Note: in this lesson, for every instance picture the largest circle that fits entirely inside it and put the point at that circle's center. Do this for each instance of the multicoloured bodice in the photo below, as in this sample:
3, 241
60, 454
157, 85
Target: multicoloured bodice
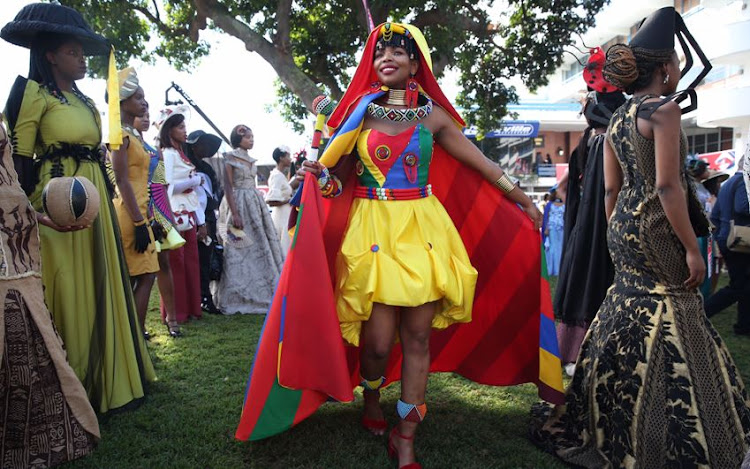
394, 161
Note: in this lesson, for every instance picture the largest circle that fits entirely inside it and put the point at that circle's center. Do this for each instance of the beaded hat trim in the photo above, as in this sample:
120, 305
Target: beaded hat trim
399, 115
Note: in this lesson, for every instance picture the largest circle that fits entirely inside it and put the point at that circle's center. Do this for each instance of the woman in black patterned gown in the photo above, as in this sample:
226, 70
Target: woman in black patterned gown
654, 385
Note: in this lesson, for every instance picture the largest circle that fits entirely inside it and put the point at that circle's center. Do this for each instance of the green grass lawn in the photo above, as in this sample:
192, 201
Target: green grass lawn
189, 417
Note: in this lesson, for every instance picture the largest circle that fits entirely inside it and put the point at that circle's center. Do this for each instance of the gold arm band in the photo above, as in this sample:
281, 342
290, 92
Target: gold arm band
505, 184
140, 223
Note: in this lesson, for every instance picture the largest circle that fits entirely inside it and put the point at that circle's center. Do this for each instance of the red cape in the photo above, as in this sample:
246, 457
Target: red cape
500, 346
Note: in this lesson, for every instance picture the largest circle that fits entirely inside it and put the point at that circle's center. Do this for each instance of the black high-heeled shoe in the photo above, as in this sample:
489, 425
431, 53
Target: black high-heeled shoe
174, 329
207, 305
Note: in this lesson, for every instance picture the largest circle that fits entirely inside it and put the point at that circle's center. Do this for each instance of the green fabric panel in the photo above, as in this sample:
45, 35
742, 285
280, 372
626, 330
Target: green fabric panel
367, 179
425, 154
278, 412
296, 228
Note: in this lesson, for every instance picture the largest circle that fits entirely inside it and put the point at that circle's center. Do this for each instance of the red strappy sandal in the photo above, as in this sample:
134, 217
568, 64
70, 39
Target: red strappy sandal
374, 425
393, 452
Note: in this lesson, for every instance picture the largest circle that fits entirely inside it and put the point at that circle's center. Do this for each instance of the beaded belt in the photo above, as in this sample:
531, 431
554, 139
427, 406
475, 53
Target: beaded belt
381, 193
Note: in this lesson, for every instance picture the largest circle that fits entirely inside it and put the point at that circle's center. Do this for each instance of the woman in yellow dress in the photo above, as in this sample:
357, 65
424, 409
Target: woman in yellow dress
131, 163
57, 132
402, 268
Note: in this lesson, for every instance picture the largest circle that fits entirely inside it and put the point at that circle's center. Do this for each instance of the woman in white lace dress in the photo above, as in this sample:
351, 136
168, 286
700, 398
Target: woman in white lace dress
252, 254
280, 192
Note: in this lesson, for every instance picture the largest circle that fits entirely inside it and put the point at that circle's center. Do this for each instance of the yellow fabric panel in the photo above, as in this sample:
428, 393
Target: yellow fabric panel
419, 38
549, 370
113, 89
419, 258
340, 146
364, 156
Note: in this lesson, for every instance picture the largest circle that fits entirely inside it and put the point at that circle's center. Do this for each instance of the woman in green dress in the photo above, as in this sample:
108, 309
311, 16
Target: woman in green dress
56, 131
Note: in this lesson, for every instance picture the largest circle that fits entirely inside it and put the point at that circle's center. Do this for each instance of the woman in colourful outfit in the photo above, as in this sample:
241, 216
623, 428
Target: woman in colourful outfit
131, 164
402, 268
57, 132
167, 237
252, 262
654, 385
180, 175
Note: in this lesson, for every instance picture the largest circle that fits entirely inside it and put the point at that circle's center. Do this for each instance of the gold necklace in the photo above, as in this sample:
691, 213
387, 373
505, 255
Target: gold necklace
396, 97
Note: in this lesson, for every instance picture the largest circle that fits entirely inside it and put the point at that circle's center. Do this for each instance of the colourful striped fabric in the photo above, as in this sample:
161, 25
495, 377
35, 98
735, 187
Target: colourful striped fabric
550, 379
300, 360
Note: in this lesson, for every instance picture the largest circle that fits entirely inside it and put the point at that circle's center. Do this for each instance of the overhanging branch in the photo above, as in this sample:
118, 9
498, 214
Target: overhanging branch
160, 25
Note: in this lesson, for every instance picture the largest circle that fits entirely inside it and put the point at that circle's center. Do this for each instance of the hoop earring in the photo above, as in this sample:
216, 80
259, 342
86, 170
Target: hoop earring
666, 79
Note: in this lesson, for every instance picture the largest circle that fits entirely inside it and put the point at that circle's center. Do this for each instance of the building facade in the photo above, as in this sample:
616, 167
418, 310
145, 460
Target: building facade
722, 28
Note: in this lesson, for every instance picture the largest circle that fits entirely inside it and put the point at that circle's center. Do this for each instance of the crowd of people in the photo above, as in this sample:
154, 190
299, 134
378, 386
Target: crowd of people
156, 221
627, 233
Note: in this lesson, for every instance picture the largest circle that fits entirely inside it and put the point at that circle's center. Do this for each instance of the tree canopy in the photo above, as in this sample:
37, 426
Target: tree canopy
312, 44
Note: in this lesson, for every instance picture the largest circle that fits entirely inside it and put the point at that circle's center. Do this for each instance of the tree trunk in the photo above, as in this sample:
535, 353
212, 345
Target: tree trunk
275, 54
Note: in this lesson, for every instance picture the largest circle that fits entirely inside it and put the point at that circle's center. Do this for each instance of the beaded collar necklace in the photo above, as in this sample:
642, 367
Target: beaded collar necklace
399, 115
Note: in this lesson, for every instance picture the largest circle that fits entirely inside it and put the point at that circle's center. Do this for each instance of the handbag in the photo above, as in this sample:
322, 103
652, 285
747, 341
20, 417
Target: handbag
216, 265
183, 221
739, 238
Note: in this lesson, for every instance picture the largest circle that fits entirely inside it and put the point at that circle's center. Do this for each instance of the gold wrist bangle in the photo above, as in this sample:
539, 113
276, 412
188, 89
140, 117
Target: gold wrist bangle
505, 184
140, 223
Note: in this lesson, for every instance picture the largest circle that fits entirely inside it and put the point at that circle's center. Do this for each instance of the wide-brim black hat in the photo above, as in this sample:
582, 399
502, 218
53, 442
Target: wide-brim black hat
51, 18
211, 141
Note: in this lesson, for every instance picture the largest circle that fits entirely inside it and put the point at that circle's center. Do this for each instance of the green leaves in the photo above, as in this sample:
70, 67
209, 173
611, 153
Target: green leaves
313, 45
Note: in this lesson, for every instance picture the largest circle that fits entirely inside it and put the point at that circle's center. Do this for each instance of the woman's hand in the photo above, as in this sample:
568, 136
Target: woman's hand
697, 269
534, 214
157, 230
142, 238
43, 219
202, 232
237, 222
309, 167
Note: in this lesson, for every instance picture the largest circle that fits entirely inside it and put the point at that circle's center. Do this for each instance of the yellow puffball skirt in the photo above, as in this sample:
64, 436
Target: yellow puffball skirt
402, 253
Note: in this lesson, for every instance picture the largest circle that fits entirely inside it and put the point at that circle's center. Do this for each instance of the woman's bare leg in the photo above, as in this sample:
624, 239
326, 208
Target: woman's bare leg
142, 285
377, 337
415, 329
